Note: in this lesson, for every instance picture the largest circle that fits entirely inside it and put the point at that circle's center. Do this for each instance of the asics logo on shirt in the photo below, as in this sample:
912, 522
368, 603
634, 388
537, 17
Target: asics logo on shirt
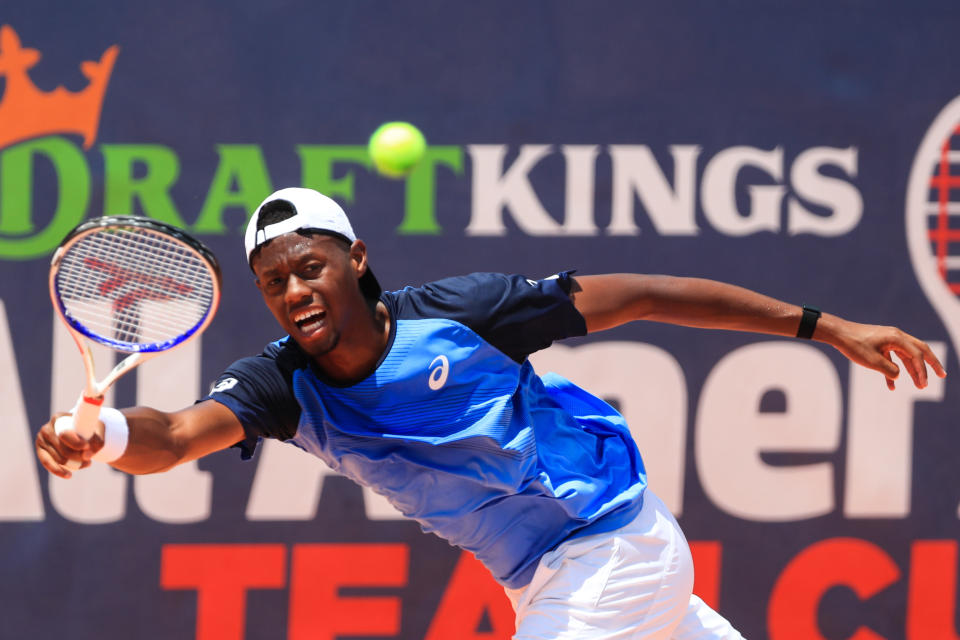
438, 374
534, 283
224, 385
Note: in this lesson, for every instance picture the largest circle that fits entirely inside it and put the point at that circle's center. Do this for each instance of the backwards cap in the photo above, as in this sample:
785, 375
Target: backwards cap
312, 211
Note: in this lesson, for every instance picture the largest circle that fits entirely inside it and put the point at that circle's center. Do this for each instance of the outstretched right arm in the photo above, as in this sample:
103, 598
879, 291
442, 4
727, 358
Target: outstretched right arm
158, 440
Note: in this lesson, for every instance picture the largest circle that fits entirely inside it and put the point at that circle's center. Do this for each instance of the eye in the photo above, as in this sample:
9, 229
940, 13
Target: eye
273, 285
311, 269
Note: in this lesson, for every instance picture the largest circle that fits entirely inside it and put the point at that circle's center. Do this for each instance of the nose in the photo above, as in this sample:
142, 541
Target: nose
296, 290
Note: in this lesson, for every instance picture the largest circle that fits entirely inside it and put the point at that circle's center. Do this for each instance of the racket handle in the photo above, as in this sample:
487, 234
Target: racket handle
65, 423
83, 421
86, 416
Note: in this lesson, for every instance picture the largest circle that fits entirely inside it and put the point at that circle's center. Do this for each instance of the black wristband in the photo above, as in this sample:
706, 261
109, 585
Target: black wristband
808, 322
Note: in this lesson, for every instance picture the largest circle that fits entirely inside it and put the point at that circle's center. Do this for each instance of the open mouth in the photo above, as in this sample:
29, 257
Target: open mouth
309, 321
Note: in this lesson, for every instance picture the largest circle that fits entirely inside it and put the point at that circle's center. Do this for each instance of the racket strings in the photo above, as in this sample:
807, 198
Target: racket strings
134, 286
943, 232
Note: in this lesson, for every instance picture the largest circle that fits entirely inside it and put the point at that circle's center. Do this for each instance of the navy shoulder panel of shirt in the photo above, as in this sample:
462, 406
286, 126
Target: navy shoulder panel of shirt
516, 315
259, 391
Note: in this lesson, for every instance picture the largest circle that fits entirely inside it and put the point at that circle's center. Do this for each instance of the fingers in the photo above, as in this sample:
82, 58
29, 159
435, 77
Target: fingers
55, 452
50, 454
918, 369
931, 359
888, 367
916, 355
73, 446
891, 373
913, 361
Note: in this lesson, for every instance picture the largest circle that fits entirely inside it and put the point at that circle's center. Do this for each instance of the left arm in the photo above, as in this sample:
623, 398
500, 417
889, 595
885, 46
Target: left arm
607, 301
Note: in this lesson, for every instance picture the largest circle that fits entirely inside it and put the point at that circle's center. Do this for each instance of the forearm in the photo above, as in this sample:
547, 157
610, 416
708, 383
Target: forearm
150, 441
691, 302
159, 440
696, 302
153, 445
610, 300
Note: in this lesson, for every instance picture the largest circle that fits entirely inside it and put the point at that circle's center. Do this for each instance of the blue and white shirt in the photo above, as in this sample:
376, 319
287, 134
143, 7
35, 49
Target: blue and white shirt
454, 427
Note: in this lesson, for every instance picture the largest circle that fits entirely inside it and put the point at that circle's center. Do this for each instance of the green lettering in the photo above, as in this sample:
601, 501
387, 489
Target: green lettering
419, 215
122, 189
243, 166
316, 162
16, 178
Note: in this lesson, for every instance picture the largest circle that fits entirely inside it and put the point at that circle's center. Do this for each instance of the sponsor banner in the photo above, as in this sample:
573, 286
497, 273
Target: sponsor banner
805, 151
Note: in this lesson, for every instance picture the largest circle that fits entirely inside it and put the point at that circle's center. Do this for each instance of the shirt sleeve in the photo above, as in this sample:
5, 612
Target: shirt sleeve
259, 392
516, 315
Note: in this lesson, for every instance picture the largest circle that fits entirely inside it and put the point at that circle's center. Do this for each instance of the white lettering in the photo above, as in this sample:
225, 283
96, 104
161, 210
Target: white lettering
20, 497
183, 494
581, 163
880, 441
731, 204
288, 483
839, 196
636, 172
495, 190
376, 507
720, 188
732, 433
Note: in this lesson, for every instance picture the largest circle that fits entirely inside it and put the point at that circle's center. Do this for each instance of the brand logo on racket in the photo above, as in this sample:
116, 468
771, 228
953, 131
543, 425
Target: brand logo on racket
128, 288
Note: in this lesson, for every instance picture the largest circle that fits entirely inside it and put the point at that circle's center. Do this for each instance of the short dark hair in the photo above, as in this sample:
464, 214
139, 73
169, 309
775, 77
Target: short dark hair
273, 212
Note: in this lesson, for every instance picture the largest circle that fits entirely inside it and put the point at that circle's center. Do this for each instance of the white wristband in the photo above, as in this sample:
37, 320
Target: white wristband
115, 435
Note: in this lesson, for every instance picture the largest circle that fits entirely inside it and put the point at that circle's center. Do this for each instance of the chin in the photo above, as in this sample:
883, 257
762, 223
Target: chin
320, 346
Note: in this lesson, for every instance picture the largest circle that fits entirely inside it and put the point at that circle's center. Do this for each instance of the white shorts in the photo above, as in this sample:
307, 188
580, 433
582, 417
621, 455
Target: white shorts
633, 582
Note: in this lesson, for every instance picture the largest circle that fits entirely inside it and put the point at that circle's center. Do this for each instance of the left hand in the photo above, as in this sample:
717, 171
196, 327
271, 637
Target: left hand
871, 345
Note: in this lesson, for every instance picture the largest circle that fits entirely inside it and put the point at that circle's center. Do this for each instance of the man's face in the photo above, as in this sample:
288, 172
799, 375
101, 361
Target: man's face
310, 284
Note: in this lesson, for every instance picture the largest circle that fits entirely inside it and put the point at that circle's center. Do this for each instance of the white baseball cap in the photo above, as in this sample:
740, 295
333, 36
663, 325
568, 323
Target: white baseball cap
312, 211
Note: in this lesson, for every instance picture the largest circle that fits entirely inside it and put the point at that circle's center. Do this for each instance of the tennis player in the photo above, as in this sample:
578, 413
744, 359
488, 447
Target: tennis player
426, 395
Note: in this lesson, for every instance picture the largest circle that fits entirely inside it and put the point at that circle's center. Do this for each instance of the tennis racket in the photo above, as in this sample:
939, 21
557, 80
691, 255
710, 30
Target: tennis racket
135, 285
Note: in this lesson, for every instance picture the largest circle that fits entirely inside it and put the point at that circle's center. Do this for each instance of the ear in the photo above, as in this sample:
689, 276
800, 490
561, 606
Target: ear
358, 257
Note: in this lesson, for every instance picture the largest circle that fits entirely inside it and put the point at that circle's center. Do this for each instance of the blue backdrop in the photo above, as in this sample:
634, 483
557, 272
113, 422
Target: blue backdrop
800, 149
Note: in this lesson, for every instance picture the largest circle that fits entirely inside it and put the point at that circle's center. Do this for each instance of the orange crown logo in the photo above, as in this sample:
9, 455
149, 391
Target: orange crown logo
26, 112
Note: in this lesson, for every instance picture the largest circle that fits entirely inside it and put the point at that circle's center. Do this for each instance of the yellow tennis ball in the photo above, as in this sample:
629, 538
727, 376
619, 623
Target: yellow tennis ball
396, 148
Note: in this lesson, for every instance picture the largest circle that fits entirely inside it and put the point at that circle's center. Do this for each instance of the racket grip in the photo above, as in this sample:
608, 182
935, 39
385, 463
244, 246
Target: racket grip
83, 421
86, 416
65, 423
